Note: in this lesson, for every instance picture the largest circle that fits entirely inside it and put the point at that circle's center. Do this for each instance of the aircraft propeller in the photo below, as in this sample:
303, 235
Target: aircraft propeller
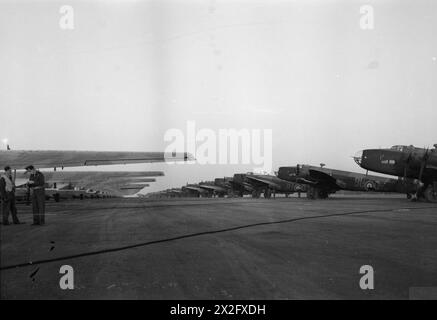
423, 163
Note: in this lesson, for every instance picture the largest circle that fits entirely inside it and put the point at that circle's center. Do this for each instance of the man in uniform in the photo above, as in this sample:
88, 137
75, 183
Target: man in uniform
36, 184
7, 194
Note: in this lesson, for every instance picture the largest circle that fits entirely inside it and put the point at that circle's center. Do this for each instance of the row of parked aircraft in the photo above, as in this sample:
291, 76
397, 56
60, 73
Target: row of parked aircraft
415, 170
62, 185
79, 184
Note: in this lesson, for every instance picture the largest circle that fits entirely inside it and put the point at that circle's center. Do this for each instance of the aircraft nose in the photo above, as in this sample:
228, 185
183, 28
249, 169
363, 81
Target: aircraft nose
358, 157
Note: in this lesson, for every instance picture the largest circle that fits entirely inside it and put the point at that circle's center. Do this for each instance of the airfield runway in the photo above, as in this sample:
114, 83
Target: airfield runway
223, 249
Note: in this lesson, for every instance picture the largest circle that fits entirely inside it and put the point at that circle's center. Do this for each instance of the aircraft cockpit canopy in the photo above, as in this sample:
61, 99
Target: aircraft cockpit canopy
401, 148
398, 148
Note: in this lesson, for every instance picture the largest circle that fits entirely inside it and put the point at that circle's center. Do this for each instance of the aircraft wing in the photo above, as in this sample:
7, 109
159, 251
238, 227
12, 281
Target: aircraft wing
19, 159
198, 189
134, 187
210, 187
323, 178
96, 176
305, 181
115, 186
270, 183
141, 183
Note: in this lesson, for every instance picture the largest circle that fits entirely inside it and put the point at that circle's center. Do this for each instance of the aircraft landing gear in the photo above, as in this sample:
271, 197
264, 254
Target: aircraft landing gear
267, 193
430, 193
256, 194
316, 193
323, 194
311, 193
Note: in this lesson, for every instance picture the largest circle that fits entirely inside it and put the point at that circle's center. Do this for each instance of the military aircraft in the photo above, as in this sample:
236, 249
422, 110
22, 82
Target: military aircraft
73, 184
168, 193
232, 188
240, 185
268, 185
223, 182
58, 191
196, 191
324, 181
213, 188
174, 193
76, 177
405, 162
116, 186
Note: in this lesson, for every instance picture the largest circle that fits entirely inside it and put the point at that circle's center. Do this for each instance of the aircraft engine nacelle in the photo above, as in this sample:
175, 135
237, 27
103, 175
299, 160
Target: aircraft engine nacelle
239, 178
288, 173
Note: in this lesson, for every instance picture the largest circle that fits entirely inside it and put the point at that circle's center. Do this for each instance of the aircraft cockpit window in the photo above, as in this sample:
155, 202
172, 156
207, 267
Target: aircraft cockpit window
398, 148
389, 162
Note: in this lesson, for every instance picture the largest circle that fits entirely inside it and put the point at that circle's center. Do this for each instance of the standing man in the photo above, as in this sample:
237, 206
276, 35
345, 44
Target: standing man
36, 184
7, 194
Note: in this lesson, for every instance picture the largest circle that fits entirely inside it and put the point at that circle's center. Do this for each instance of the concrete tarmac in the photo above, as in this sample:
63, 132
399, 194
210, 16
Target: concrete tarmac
283, 248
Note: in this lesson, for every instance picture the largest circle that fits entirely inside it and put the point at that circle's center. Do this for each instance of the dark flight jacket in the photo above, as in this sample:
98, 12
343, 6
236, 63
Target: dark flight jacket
38, 180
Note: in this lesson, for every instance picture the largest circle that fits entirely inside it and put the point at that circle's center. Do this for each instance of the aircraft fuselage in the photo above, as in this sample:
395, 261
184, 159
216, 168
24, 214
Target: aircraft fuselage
401, 161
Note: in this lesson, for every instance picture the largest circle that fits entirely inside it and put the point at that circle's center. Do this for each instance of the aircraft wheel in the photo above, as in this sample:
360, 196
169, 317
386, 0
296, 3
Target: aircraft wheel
430, 194
323, 194
267, 194
316, 193
57, 197
311, 193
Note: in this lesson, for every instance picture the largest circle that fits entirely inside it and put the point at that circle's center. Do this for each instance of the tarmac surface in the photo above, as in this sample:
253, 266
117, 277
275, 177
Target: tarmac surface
283, 248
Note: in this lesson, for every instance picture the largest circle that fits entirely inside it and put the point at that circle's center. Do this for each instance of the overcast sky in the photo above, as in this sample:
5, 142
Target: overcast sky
130, 70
